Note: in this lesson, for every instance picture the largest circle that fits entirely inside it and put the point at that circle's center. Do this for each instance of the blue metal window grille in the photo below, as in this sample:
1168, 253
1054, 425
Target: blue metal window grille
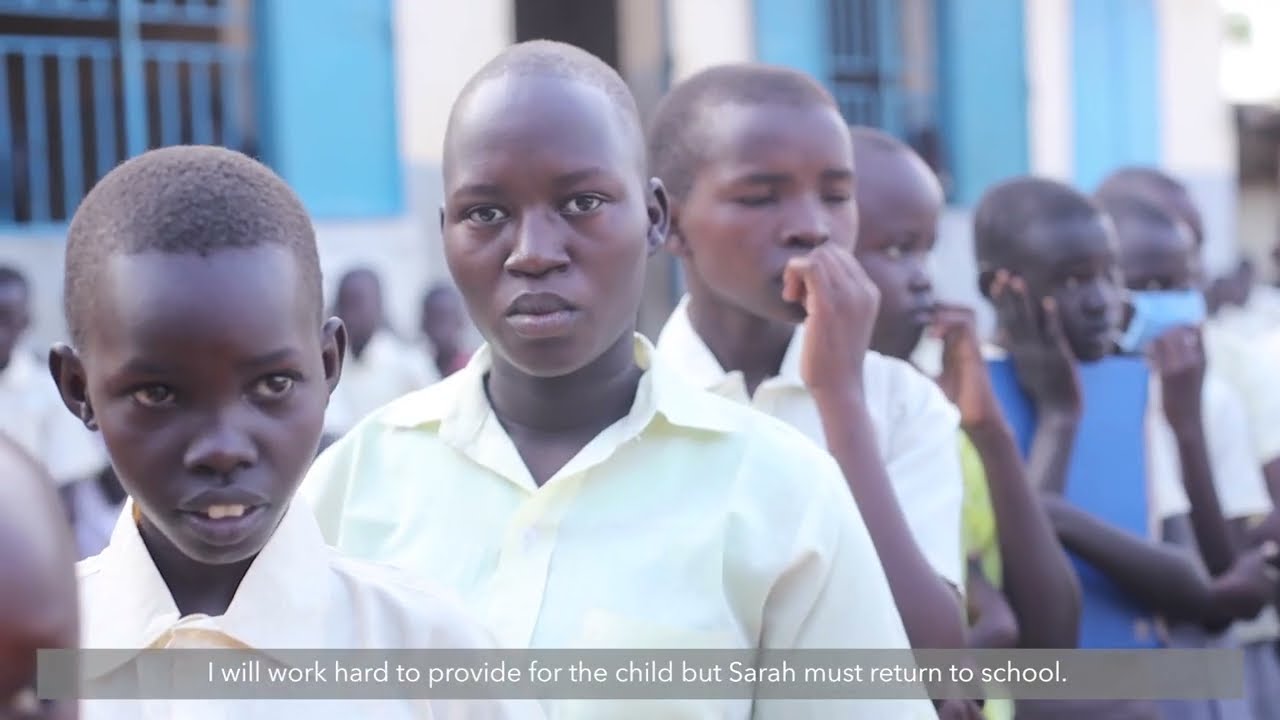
89, 83
883, 68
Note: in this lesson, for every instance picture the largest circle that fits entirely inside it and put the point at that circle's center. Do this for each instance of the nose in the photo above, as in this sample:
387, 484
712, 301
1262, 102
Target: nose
222, 448
539, 246
1094, 301
919, 281
807, 224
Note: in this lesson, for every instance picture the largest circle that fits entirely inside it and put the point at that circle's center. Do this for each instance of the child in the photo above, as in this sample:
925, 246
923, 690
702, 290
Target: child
761, 175
32, 415
1022, 590
1042, 245
200, 353
442, 324
1158, 256
567, 480
37, 584
379, 367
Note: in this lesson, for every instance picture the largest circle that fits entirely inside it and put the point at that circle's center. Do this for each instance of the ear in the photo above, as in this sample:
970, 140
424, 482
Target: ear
985, 278
676, 243
333, 348
659, 215
73, 384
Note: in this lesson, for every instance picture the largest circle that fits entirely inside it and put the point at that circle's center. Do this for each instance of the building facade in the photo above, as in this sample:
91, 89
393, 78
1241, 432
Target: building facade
348, 100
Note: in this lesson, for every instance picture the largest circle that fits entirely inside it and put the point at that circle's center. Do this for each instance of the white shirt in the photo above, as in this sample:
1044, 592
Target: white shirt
298, 594
916, 430
692, 522
387, 369
1237, 476
33, 415
1248, 363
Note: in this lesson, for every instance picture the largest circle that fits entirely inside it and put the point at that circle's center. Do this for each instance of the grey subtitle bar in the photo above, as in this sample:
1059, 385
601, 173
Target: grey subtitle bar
640, 674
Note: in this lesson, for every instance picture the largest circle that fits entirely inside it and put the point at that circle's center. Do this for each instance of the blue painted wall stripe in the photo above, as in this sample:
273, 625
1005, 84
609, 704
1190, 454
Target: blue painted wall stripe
795, 34
1116, 83
327, 89
983, 93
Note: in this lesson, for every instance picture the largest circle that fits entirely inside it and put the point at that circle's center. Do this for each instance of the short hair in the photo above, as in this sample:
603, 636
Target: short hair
874, 138
184, 199
676, 142
548, 58
1129, 210
1153, 185
1007, 212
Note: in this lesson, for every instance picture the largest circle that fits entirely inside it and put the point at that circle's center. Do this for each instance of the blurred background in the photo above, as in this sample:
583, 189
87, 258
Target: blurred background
347, 99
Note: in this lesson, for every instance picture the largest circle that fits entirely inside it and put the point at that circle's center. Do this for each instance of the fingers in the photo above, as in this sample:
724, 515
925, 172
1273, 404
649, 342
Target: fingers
796, 277
1178, 350
1013, 305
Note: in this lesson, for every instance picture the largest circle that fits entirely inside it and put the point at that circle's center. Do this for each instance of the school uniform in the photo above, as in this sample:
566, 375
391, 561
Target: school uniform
1241, 493
691, 522
916, 430
387, 369
33, 416
298, 594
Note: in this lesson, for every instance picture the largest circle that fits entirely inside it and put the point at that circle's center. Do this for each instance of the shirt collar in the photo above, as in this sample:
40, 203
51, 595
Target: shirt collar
459, 406
681, 345
280, 597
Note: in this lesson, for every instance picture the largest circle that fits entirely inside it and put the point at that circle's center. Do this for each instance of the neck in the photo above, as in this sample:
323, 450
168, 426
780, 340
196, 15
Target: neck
196, 588
895, 347
740, 341
358, 345
586, 400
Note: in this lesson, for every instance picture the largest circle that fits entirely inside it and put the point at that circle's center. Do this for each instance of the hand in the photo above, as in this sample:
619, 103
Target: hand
841, 304
964, 377
1038, 346
1178, 358
1250, 583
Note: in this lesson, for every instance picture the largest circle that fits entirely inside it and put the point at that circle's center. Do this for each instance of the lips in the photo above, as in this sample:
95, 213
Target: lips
225, 516
539, 316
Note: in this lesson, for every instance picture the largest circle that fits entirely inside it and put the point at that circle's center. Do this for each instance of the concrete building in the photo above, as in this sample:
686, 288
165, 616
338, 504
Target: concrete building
348, 100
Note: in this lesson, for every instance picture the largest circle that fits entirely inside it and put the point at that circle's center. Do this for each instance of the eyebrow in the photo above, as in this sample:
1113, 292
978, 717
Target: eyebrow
765, 178
272, 358
138, 366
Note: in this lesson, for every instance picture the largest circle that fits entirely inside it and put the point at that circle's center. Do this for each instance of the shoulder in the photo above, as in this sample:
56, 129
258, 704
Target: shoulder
904, 393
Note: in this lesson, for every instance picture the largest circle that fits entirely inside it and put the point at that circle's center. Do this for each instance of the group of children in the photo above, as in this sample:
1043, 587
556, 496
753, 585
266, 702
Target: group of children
816, 453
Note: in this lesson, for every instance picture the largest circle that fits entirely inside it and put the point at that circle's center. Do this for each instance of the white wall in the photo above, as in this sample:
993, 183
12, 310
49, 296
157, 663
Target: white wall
709, 32
1049, 97
1197, 131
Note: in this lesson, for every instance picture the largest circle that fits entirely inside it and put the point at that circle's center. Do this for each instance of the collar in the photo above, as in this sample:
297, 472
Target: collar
283, 592
680, 344
459, 408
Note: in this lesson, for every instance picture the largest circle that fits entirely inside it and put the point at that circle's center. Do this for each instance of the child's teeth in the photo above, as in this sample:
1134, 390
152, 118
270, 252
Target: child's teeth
217, 512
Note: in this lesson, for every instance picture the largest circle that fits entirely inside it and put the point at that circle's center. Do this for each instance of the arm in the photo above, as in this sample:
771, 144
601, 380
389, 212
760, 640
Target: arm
1179, 360
1161, 578
929, 608
1039, 581
992, 625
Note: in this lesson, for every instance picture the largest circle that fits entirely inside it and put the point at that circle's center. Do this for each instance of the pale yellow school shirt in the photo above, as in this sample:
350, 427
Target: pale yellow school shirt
387, 369
692, 522
32, 414
298, 594
1248, 363
916, 430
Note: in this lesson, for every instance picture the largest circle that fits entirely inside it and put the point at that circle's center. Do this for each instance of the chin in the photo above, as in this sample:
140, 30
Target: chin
545, 359
1092, 351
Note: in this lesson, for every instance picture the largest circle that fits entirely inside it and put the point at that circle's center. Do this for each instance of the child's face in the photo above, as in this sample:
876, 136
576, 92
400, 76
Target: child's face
208, 378
899, 202
776, 181
548, 220
13, 318
1157, 258
1074, 262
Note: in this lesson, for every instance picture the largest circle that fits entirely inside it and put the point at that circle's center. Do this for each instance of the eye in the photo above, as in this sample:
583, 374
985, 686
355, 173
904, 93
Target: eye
894, 252
273, 387
582, 204
756, 200
486, 215
837, 198
153, 396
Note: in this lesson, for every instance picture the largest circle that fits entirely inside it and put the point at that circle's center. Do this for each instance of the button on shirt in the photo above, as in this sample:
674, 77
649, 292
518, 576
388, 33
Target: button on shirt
916, 430
298, 594
692, 522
